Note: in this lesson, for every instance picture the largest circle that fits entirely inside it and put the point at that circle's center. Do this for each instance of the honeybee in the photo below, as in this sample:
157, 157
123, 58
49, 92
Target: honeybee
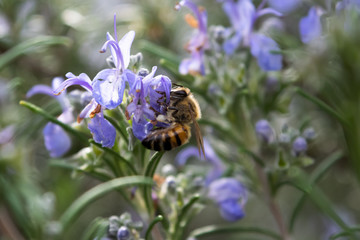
183, 110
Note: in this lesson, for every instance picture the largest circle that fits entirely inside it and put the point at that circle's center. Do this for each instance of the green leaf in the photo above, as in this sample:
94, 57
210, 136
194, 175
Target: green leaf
349, 232
315, 177
61, 163
98, 191
31, 45
214, 229
304, 184
149, 172
153, 163
80, 135
152, 224
183, 212
322, 105
159, 51
96, 230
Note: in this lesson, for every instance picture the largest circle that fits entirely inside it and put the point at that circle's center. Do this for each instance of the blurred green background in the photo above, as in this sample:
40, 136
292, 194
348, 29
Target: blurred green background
43, 39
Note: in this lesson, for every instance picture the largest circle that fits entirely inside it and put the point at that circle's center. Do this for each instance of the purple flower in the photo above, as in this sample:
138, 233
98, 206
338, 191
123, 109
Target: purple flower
57, 141
264, 130
284, 6
231, 196
139, 108
242, 15
264, 50
103, 132
109, 84
299, 145
217, 166
123, 233
157, 91
310, 26
7, 134
198, 42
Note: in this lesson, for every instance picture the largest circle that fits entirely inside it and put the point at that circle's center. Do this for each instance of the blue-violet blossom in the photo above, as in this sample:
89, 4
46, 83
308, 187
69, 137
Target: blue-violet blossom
57, 141
198, 42
109, 84
264, 130
150, 97
284, 6
310, 26
242, 15
231, 196
102, 130
299, 146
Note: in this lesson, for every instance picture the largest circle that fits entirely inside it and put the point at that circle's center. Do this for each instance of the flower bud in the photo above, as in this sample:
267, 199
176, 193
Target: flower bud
113, 225
264, 131
123, 233
171, 183
135, 60
143, 72
309, 133
299, 145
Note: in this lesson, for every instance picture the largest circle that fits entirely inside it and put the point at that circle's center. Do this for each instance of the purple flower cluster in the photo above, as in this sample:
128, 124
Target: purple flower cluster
198, 42
228, 193
243, 15
150, 96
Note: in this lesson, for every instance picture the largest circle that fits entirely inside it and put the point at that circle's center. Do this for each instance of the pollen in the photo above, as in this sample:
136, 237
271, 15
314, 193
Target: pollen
191, 20
57, 94
79, 119
96, 110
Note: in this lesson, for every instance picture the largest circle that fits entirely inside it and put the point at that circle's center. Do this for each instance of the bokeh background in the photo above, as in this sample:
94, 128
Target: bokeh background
49, 38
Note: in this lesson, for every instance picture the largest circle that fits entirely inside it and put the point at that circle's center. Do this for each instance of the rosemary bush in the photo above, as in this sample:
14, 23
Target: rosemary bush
275, 154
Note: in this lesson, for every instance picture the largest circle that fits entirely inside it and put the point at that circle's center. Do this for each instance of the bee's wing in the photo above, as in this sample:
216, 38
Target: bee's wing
199, 138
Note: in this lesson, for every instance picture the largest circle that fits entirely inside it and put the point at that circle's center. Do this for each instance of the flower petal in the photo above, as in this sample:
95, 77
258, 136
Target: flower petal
231, 210
185, 154
227, 189
125, 45
284, 6
141, 129
87, 110
102, 130
108, 88
230, 45
82, 80
40, 89
310, 26
262, 48
193, 65
57, 142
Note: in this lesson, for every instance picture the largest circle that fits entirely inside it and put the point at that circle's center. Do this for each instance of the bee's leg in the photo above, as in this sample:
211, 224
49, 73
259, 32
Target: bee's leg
179, 94
175, 109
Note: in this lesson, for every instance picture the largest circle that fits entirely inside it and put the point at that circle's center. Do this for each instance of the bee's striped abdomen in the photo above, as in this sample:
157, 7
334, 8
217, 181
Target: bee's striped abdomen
167, 138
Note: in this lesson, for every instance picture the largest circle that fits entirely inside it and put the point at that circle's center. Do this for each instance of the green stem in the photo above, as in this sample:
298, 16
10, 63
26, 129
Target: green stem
116, 155
152, 224
149, 172
185, 209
